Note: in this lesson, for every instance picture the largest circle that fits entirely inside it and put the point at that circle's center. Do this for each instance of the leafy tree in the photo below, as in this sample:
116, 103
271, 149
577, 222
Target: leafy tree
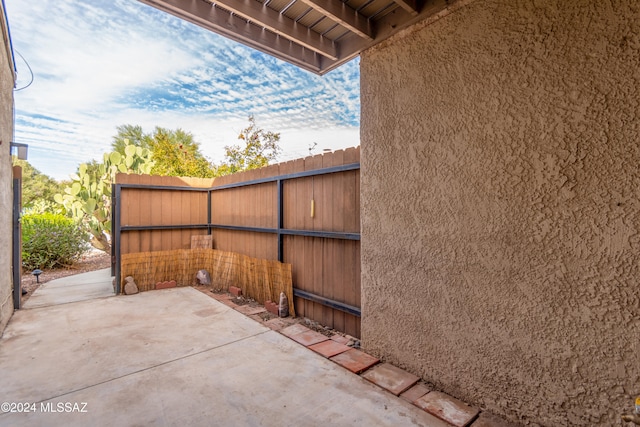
175, 153
127, 135
88, 198
260, 148
38, 189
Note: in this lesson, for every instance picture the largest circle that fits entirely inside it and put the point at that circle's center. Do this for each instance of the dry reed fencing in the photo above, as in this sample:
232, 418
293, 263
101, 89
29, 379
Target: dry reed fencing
304, 212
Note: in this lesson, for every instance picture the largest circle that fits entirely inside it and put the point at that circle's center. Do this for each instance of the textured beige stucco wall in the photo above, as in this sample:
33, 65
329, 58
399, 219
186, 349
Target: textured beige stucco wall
6, 183
501, 206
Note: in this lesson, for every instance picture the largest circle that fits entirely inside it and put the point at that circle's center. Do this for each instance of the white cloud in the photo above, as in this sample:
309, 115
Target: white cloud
99, 64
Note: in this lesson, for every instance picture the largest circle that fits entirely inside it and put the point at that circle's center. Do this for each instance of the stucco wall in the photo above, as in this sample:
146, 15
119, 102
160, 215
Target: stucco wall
501, 206
6, 180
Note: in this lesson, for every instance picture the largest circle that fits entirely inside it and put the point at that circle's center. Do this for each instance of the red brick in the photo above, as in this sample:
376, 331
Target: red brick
447, 408
390, 378
415, 392
309, 338
340, 339
234, 290
247, 310
221, 297
228, 302
295, 329
166, 285
355, 360
276, 324
329, 348
271, 307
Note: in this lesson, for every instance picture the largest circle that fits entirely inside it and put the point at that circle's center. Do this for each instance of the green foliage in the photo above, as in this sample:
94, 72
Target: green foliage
51, 240
129, 135
260, 148
38, 189
175, 153
40, 206
88, 197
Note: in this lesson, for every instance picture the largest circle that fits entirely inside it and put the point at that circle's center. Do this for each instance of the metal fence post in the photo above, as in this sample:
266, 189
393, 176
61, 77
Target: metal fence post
17, 239
280, 184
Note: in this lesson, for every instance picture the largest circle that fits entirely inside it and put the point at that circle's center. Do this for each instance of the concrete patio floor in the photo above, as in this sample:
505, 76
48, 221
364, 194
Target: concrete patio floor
173, 357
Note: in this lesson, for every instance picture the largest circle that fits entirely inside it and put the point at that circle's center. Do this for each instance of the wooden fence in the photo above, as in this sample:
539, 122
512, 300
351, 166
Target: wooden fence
304, 212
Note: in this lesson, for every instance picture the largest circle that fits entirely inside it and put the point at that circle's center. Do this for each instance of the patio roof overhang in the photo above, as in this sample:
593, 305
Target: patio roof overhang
316, 35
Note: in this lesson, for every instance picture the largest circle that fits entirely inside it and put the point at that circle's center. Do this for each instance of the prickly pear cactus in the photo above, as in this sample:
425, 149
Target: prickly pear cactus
88, 198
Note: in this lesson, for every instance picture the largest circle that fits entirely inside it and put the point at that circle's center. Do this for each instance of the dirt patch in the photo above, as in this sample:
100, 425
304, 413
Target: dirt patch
240, 301
267, 316
91, 261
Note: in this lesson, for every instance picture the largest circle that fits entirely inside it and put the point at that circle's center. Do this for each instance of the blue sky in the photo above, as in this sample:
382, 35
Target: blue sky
98, 64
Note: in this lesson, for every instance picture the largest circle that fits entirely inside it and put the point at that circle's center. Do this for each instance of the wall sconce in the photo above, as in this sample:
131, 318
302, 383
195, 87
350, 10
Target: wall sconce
21, 149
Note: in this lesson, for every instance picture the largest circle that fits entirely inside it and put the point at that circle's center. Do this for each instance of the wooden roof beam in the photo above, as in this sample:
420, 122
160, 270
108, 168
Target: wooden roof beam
221, 22
410, 6
344, 15
256, 12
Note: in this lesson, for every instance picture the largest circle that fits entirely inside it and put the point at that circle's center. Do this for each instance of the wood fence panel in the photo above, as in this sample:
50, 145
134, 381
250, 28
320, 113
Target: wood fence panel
197, 202
300, 203
125, 215
328, 264
165, 215
322, 266
337, 266
156, 217
255, 245
130, 214
289, 194
313, 247
145, 201
351, 210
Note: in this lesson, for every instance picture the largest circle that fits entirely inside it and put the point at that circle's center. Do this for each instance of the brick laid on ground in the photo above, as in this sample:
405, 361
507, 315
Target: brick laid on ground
276, 324
355, 360
289, 331
448, 408
247, 310
340, 339
329, 348
416, 392
309, 338
390, 378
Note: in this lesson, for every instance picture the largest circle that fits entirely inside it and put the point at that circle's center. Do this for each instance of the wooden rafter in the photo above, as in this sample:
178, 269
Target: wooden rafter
343, 15
268, 18
410, 6
235, 28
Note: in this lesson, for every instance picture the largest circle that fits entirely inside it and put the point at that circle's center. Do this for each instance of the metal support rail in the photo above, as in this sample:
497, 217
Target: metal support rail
327, 302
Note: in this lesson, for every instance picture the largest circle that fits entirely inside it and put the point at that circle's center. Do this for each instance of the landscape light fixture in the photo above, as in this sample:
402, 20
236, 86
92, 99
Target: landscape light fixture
21, 149
37, 273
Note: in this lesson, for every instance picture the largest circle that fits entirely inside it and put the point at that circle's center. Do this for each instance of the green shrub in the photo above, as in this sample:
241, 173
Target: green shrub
51, 240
